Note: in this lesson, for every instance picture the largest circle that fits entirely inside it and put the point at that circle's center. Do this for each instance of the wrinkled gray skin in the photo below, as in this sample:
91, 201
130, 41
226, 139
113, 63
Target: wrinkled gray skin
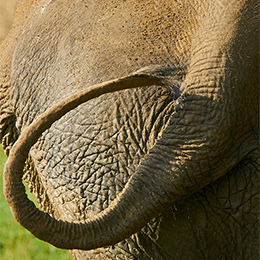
203, 126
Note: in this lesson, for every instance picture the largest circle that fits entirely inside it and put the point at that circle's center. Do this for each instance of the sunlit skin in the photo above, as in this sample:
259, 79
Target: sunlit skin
134, 124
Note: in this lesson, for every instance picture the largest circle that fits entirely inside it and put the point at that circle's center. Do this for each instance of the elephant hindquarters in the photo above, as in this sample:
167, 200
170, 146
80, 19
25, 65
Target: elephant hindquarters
220, 221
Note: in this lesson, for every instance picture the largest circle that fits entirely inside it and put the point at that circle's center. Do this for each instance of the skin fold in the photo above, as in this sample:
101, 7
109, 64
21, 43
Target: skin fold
168, 169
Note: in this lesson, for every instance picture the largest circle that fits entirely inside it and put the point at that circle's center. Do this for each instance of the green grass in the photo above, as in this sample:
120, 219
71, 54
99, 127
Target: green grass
16, 243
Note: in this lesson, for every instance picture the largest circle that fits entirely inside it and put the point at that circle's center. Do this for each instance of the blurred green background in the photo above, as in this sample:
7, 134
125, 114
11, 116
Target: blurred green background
16, 243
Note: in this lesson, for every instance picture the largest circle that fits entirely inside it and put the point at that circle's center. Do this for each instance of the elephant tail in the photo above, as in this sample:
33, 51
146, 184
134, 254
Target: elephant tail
121, 219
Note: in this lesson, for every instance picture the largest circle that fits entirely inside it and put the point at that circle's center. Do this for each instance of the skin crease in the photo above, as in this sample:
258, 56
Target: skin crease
81, 164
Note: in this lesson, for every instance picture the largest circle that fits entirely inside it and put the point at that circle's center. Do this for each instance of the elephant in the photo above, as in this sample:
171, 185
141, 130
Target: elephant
135, 124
